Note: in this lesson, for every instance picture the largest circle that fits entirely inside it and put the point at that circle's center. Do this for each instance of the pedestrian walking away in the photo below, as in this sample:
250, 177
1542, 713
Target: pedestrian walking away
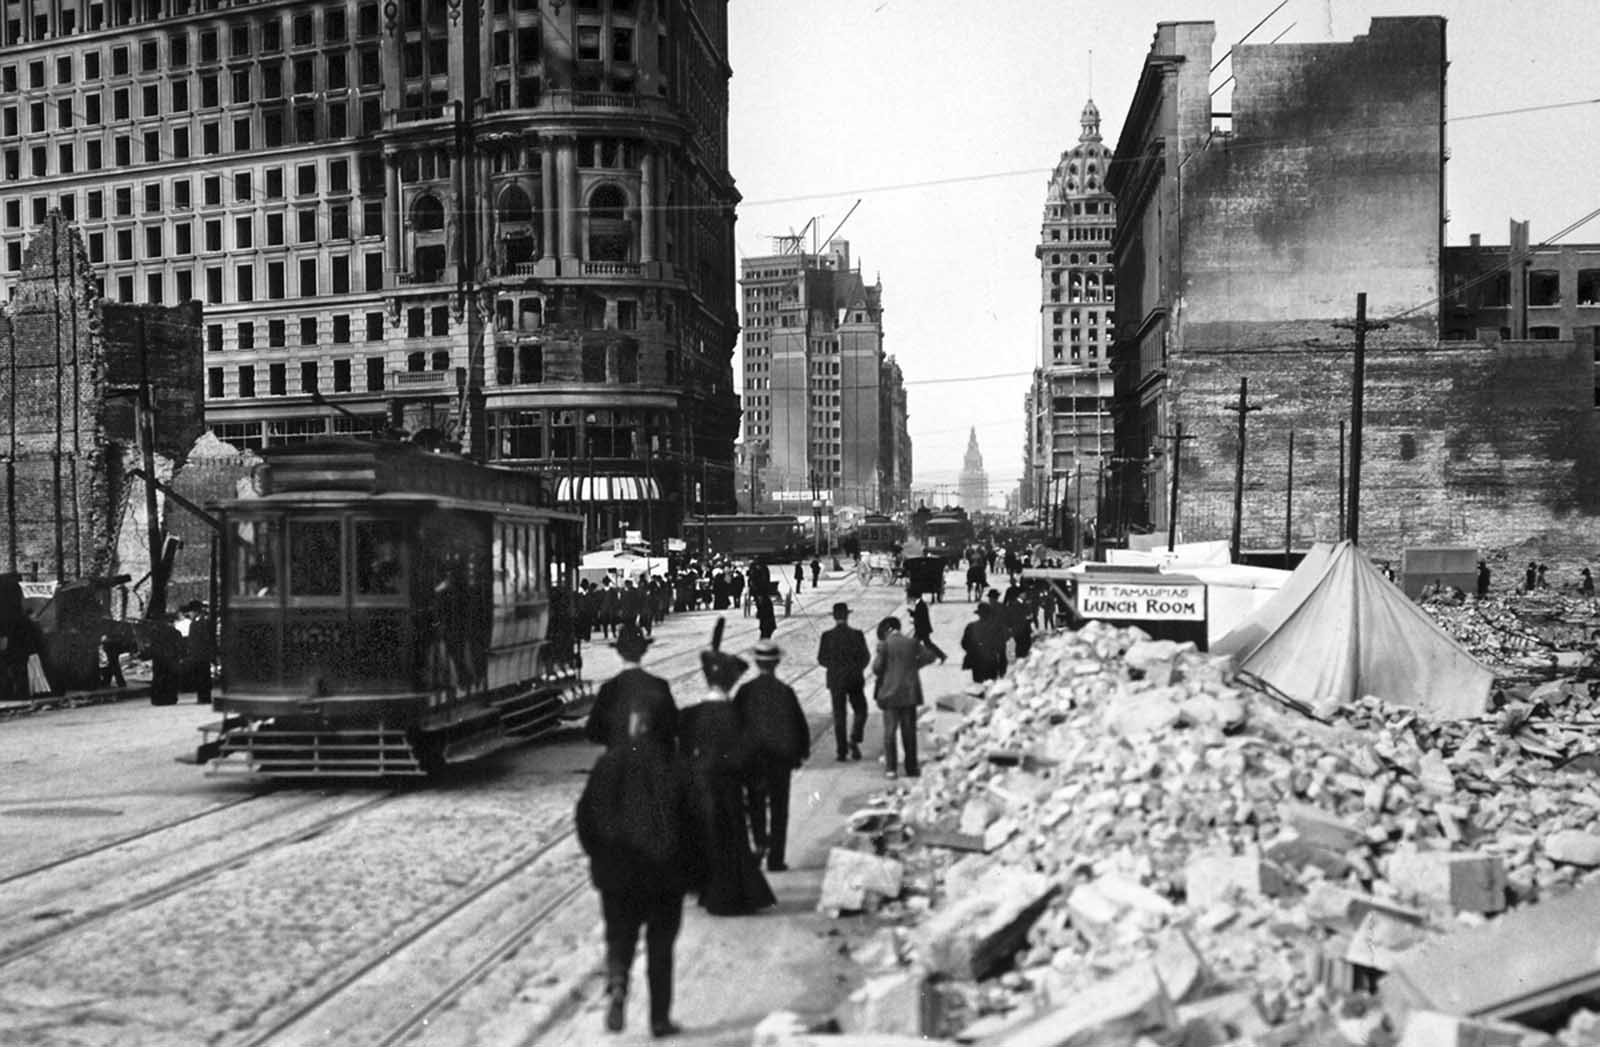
778, 741
799, 577
1586, 584
842, 651
898, 663
984, 644
1483, 579
633, 703
816, 571
922, 627
636, 822
716, 750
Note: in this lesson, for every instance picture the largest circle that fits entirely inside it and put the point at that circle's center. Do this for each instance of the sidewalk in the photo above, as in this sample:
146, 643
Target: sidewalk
732, 972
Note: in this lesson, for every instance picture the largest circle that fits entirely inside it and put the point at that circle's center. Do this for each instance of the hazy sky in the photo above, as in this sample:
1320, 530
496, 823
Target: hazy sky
946, 117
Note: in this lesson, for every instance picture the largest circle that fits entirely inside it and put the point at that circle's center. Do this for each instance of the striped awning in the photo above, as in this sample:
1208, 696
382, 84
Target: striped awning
578, 490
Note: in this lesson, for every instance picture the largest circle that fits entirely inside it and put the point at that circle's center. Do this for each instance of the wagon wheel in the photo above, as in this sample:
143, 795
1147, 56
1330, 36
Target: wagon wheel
864, 572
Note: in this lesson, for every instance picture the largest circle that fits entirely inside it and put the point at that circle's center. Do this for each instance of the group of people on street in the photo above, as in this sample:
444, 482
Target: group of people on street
895, 665
685, 799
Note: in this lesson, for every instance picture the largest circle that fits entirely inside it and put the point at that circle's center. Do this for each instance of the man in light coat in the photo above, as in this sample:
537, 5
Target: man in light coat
898, 662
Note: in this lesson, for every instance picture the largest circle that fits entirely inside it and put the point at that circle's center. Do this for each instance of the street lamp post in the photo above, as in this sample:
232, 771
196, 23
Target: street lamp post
816, 514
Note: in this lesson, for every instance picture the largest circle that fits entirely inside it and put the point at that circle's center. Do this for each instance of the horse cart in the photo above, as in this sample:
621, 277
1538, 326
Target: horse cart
924, 575
877, 567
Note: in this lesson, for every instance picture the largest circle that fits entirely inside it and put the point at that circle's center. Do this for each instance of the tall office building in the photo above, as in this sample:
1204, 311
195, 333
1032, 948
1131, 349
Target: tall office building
509, 222
1069, 410
825, 407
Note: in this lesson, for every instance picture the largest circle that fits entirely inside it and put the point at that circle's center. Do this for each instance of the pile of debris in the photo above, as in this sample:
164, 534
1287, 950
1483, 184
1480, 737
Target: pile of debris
1542, 633
1120, 840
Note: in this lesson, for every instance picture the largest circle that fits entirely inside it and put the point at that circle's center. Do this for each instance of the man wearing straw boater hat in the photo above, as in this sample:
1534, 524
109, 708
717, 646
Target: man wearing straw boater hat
780, 741
633, 702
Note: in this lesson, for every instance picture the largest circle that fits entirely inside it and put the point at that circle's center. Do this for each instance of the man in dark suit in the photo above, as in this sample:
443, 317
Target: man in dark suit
843, 653
779, 741
633, 703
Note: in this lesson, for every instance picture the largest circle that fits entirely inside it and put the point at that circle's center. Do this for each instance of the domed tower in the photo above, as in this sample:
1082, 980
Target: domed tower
1071, 409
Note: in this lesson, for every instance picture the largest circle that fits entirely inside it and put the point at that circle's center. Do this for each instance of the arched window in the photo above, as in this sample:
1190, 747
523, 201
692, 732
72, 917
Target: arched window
428, 253
427, 215
609, 235
515, 206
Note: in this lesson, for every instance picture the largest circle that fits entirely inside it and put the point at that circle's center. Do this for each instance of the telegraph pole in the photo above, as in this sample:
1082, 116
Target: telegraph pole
1288, 506
1357, 403
1177, 439
1243, 410
1341, 479
1077, 518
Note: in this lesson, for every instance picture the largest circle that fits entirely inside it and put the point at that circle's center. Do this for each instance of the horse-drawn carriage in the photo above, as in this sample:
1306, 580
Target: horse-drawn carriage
923, 575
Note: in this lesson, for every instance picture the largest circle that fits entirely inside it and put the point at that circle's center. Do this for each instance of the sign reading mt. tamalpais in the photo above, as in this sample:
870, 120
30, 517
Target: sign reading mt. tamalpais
1169, 603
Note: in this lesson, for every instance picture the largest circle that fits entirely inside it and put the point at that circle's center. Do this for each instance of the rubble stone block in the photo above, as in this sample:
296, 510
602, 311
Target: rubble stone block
1212, 879
1467, 880
1433, 1029
1321, 828
1142, 655
1118, 1010
1381, 939
1183, 970
1293, 852
1573, 847
1017, 788
976, 815
1137, 714
851, 876
889, 1003
977, 935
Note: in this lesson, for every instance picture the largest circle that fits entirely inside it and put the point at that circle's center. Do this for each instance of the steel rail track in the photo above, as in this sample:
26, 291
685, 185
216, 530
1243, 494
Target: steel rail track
524, 932
123, 841
198, 877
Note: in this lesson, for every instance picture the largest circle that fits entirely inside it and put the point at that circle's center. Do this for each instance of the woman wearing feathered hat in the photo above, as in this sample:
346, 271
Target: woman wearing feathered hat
714, 742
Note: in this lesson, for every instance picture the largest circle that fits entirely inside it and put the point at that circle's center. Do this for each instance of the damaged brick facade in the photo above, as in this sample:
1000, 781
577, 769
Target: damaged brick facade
1239, 249
74, 364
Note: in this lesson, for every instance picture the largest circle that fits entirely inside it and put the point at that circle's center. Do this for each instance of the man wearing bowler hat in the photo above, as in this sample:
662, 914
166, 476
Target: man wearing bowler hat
633, 703
779, 741
843, 653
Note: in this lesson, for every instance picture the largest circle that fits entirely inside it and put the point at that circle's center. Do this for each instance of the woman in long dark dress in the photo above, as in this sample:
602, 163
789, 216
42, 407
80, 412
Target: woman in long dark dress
710, 735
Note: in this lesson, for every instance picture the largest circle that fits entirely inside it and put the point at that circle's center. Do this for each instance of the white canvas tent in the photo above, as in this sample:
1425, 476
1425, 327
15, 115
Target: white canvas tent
1339, 629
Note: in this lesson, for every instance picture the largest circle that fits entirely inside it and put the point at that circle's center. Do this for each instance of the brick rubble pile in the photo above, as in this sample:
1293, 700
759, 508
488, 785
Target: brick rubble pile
1120, 841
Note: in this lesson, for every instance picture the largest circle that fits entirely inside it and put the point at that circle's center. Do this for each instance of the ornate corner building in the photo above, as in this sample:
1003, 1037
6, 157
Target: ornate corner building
510, 221
1070, 433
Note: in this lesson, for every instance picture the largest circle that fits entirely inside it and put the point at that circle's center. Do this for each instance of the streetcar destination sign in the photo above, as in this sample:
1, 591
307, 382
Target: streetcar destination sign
1161, 603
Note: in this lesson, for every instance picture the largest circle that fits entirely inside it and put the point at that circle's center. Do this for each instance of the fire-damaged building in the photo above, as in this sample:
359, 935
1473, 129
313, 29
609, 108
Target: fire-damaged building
77, 367
1243, 241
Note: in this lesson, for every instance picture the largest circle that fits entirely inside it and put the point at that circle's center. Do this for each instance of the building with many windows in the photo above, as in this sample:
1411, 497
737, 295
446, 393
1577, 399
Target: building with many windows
825, 407
509, 222
1070, 433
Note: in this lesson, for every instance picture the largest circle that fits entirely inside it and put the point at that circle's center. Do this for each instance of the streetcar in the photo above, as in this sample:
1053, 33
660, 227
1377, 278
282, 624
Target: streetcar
388, 610
947, 535
745, 536
877, 533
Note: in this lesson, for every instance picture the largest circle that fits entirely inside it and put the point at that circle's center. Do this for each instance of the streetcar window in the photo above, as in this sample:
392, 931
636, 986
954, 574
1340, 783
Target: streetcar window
314, 558
255, 563
380, 568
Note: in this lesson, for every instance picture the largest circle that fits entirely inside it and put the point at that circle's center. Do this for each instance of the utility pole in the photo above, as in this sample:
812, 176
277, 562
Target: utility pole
1288, 506
1357, 405
1341, 479
1177, 439
1077, 518
147, 438
1243, 410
